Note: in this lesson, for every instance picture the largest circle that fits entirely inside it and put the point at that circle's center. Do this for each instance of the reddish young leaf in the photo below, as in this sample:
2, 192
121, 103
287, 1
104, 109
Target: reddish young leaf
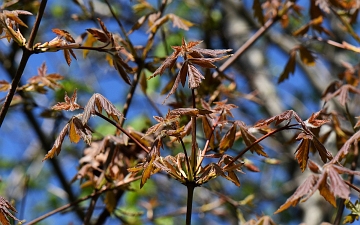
69, 104
78, 130
303, 190
228, 140
50, 80
302, 151
170, 120
64, 34
289, 68
98, 35
195, 77
342, 93
100, 102
249, 139
5, 214
119, 65
285, 116
58, 142
189, 112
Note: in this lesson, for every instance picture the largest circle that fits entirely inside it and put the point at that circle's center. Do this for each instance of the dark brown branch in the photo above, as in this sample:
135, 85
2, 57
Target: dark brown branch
27, 51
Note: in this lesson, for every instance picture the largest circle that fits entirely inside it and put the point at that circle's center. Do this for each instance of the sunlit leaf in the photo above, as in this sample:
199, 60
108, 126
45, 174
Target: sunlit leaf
5, 214
58, 142
228, 140
306, 56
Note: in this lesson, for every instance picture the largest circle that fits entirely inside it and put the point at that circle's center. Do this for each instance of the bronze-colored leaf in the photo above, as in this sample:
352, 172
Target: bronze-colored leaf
303, 190
5, 214
325, 191
306, 56
249, 139
258, 12
58, 142
119, 66
100, 102
73, 134
208, 131
64, 34
228, 140
69, 104
289, 68
302, 151
98, 35
147, 171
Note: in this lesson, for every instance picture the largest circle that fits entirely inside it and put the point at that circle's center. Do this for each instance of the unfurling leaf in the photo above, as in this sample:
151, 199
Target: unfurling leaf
49, 80
121, 67
100, 102
58, 142
302, 151
64, 34
147, 172
5, 214
69, 104
195, 77
228, 140
78, 130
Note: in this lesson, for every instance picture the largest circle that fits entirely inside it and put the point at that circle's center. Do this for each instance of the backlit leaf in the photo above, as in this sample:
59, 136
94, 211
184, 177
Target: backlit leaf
100, 102
58, 142
303, 190
302, 151
306, 56
5, 214
69, 104
228, 140
249, 139
289, 68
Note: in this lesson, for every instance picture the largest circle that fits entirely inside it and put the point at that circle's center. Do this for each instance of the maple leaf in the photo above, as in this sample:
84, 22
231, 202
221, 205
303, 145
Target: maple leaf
100, 102
284, 116
329, 183
49, 80
228, 139
58, 142
192, 55
342, 93
249, 140
5, 214
302, 152
170, 120
224, 109
69, 104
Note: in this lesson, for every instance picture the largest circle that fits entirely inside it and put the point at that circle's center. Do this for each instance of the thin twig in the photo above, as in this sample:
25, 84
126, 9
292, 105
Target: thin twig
64, 207
27, 52
124, 131
286, 127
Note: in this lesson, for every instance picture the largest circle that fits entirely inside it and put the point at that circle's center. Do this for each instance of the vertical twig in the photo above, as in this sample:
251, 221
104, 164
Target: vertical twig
27, 51
190, 188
